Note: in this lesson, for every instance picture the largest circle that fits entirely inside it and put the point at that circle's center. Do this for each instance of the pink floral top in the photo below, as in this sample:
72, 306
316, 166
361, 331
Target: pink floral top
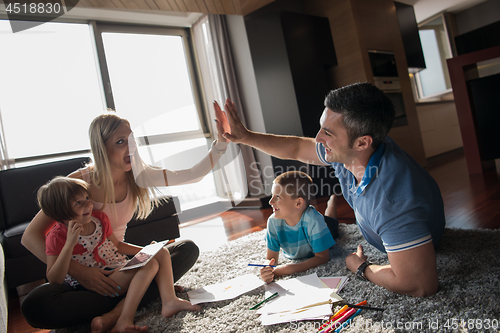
94, 250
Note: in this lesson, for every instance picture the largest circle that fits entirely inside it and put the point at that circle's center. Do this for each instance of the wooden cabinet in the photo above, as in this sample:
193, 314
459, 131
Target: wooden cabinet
362, 25
291, 53
411, 38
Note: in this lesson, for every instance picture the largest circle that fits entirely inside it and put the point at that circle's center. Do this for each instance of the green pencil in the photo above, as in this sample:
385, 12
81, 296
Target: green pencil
264, 301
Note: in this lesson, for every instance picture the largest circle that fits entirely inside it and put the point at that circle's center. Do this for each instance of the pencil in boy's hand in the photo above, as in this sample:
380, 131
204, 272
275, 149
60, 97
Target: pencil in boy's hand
260, 265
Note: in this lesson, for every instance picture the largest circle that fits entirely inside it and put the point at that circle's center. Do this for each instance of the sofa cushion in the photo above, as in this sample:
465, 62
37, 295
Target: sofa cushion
159, 230
161, 224
11, 241
170, 206
18, 188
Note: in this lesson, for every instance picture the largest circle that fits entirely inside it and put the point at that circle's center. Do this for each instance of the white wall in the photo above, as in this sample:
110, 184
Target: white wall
439, 127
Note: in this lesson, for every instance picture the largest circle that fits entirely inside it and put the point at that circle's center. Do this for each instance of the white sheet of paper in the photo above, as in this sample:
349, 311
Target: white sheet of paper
297, 293
144, 255
225, 290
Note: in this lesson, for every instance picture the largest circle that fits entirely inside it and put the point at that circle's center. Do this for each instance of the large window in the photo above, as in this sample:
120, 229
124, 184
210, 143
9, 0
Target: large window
49, 90
434, 79
57, 77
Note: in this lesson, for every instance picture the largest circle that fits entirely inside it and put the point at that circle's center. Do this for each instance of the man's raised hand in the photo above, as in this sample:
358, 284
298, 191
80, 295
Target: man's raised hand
237, 132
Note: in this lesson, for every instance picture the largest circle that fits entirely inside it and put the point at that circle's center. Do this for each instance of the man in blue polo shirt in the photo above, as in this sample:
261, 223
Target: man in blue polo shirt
398, 206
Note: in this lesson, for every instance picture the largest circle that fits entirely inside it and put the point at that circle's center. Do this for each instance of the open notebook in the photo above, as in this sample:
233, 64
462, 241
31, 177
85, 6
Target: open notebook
144, 256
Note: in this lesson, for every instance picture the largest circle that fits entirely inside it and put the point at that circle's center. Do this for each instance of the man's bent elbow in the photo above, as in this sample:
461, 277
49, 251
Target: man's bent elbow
425, 290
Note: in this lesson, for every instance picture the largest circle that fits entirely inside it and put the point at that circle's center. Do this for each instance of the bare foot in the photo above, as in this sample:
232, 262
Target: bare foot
128, 328
103, 324
177, 305
106, 322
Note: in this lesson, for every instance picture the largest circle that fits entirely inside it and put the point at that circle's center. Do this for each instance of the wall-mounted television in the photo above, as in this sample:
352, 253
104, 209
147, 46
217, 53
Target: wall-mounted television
383, 63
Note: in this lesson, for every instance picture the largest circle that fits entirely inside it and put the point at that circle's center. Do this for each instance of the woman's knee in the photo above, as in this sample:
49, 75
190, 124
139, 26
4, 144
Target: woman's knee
53, 306
191, 249
39, 307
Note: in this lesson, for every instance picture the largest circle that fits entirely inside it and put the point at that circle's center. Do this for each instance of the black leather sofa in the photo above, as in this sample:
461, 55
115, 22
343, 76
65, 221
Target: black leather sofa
18, 206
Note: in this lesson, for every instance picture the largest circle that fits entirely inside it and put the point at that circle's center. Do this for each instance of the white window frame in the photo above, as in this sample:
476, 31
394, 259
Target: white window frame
417, 84
122, 26
100, 27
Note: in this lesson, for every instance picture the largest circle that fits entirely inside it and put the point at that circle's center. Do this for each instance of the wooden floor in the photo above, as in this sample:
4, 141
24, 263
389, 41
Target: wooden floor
470, 202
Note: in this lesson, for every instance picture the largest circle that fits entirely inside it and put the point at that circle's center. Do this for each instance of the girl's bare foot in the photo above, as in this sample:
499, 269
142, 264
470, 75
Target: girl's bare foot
177, 305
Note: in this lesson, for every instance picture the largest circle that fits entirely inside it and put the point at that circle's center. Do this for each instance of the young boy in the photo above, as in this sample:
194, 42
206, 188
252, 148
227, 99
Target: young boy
296, 227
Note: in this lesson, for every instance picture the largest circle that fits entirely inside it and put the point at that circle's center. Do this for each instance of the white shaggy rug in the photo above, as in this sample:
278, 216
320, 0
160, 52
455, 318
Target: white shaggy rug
468, 299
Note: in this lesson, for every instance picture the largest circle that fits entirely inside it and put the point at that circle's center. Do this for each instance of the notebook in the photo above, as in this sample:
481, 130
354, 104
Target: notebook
144, 256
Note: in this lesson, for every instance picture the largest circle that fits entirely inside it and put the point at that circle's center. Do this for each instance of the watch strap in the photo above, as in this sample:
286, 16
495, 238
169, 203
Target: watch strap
360, 272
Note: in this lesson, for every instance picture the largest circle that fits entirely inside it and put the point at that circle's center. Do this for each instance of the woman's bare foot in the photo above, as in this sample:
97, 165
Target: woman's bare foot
103, 323
108, 320
130, 328
331, 207
177, 305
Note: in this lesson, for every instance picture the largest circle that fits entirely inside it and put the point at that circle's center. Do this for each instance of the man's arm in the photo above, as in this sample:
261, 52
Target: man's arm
411, 272
282, 146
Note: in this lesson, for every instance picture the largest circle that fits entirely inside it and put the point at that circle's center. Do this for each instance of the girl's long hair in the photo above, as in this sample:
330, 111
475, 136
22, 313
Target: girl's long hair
100, 131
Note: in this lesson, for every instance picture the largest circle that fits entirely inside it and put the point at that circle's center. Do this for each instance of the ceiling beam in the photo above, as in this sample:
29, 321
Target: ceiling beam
228, 7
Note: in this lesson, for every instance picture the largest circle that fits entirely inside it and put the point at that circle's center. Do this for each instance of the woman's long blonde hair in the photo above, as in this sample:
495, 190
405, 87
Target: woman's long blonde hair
100, 130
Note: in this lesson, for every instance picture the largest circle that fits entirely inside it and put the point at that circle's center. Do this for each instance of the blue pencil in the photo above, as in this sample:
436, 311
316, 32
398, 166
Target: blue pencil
259, 265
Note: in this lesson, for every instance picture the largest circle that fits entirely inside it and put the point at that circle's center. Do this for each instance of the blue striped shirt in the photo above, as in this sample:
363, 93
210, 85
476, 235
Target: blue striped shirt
311, 235
398, 205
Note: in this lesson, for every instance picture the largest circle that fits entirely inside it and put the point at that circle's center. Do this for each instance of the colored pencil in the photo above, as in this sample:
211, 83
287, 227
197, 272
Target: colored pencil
264, 301
259, 265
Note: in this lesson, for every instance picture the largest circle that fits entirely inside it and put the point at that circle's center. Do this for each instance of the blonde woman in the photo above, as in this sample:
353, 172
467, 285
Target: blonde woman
120, 191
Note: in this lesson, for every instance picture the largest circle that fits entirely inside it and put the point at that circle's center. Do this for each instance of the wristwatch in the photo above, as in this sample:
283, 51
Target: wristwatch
361, 270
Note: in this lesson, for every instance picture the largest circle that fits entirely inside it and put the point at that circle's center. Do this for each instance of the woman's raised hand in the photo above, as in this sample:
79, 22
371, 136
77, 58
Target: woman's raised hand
222, 123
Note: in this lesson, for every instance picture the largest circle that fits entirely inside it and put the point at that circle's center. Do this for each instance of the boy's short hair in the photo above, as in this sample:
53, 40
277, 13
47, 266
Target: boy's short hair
55, 198
297, 184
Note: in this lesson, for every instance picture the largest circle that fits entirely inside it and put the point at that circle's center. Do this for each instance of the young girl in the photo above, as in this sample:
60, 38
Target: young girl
86, 236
